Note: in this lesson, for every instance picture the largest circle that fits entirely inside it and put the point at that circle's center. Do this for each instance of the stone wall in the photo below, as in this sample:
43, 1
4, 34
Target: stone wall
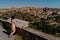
28, 36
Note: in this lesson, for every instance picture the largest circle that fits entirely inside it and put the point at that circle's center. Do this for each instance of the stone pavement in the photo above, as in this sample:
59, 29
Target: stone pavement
4, 36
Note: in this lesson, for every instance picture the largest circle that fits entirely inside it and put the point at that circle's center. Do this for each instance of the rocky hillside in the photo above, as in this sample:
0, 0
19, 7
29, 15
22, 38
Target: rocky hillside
31, 13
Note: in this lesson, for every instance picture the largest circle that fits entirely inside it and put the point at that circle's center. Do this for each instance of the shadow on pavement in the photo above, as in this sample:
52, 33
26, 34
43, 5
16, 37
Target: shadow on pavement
6, 26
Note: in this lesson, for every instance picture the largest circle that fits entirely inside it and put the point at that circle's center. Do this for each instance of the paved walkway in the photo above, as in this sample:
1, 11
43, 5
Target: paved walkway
4, 36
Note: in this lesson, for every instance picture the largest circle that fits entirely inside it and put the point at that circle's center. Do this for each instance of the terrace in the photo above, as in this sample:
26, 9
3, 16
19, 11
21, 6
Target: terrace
26, 33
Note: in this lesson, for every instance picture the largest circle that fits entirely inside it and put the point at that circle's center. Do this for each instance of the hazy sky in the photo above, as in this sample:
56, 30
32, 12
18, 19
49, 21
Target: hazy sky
31, 3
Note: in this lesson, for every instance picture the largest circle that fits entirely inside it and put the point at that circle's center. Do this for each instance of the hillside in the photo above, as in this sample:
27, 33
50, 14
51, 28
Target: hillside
44, 19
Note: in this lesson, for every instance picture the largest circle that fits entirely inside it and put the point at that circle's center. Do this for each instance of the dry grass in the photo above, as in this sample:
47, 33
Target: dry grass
18, 37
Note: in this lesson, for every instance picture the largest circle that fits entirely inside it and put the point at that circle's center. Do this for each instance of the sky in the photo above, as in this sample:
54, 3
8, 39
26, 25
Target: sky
29, 3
